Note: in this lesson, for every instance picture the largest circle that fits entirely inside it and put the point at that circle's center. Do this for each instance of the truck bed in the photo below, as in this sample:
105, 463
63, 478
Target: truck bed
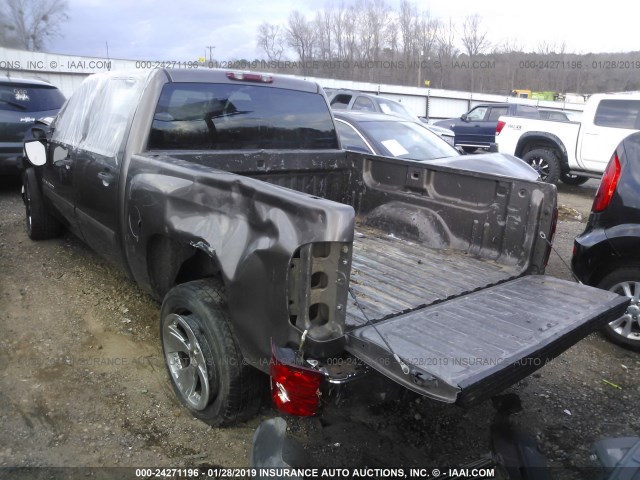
497, 326
390, 276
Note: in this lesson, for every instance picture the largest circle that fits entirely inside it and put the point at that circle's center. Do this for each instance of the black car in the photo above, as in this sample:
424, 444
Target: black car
477, 128
607, 254
397, 137
22, 102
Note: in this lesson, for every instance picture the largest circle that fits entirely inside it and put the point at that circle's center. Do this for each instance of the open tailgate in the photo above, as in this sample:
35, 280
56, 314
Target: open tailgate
469, 348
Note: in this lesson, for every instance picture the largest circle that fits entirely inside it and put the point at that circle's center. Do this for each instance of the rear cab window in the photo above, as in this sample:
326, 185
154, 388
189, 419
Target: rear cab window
496, 113
526, 111
210, 116
19, 97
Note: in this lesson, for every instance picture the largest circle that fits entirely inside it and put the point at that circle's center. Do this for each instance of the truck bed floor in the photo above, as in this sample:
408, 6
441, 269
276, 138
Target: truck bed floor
390, 276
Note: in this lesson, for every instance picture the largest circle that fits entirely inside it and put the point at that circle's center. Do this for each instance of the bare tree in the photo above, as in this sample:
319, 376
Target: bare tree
507, 55
271, 40
323, 34
446, 51
406, 25
31, 23
474, 40
377, 20
338, 25
301, 37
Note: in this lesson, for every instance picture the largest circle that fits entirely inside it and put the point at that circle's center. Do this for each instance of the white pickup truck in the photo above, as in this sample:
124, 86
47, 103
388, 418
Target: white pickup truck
571, 151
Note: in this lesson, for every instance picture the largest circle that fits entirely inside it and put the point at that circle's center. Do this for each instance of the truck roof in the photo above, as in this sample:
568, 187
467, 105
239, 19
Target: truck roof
619, 95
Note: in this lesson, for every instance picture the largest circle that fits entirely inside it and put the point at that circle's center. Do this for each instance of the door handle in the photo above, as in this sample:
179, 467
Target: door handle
106, 177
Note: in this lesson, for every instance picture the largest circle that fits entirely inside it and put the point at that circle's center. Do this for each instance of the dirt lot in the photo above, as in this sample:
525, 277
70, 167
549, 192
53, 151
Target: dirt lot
82, 381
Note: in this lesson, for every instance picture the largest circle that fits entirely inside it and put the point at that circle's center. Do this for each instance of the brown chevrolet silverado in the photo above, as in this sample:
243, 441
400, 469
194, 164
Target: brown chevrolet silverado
226, 196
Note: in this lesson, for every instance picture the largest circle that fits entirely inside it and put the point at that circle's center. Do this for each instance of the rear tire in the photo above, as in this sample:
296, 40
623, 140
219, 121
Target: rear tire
469, 149
570, 179
625, 330
41, 224
545, 163
207, 370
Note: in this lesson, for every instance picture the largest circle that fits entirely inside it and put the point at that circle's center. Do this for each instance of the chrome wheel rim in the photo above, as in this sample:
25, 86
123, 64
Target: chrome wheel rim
628, 325
540, 166
186, 362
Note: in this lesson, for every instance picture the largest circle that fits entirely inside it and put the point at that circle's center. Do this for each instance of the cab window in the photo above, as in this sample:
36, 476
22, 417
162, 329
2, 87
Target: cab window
618, 114
209, 116
477, 114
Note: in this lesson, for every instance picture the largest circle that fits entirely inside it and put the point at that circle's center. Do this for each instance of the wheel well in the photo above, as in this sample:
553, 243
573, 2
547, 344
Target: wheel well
170, 263
544, 143
609, 267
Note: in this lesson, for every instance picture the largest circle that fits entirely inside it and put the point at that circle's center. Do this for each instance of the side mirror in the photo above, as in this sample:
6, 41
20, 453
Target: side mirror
36, 152
464, 117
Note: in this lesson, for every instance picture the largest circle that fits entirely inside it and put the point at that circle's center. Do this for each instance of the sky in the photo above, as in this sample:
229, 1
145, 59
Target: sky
181, 31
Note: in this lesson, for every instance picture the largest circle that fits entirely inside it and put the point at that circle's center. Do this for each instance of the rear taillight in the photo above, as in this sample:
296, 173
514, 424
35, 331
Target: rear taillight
294, 389
250, 77
607, 184
500, 126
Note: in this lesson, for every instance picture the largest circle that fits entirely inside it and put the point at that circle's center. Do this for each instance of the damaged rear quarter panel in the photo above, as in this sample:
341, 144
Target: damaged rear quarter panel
251, 229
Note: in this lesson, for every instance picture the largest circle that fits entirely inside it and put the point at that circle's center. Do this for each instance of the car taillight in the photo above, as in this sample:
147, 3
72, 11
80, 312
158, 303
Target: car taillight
250, 77
607, 184
500, 126
294, 389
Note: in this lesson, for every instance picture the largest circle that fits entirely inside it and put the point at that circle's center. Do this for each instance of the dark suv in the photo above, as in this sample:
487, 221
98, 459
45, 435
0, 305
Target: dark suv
607, 254
477, 128
22, 102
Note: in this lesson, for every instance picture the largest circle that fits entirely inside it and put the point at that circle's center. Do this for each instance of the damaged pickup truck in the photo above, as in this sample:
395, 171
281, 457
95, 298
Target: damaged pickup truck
226, 196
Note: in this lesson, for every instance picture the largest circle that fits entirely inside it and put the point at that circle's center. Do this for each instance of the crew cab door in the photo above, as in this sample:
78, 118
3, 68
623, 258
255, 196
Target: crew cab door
99, 161
614, 120
59, 174
471, 347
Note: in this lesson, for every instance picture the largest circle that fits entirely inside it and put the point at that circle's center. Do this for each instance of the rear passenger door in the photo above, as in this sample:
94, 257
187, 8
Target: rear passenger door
488, 130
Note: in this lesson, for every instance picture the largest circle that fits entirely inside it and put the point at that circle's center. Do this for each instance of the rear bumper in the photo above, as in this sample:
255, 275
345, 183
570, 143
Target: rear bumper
592, 253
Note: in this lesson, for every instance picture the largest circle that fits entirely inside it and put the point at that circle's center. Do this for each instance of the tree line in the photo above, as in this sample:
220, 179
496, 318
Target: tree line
370, 41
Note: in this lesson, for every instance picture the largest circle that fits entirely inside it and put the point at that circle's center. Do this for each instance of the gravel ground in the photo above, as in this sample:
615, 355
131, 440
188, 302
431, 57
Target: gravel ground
82, 381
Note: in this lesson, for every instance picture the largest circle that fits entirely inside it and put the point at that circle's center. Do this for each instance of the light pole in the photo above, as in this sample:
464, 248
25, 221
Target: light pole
211, 48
